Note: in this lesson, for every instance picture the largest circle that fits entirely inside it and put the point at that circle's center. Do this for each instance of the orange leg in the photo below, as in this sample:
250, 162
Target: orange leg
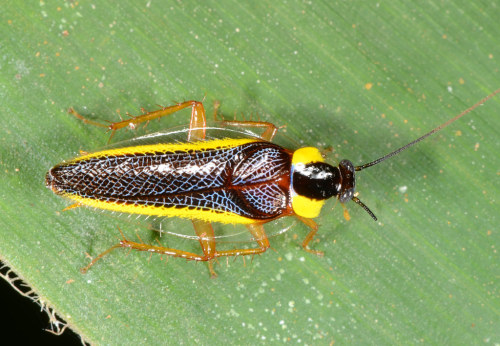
197, 124
269, 128
347, 217
259, 235
206, 238
125, 243
314, 229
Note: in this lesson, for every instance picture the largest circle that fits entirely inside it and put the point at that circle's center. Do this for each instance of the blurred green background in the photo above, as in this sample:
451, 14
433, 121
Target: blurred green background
361, 77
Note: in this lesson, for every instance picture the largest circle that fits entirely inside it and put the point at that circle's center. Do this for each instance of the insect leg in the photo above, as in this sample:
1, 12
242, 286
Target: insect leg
269, 128
197, 117
198, 122
206, 237
314, 228
125, 243
259, 234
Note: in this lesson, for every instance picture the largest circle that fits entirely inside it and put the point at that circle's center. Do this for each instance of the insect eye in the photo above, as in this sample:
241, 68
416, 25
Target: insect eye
346, 195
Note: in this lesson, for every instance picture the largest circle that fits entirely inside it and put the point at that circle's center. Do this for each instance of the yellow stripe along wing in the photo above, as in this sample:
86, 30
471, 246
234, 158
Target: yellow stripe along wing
223, 180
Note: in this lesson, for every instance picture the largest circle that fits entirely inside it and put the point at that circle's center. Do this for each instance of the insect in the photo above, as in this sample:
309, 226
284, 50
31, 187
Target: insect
238, 178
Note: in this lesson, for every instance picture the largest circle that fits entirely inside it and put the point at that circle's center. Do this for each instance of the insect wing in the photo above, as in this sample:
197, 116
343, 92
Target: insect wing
183, 228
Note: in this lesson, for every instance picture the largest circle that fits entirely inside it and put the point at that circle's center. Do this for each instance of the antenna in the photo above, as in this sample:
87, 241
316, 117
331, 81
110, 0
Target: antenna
430, 133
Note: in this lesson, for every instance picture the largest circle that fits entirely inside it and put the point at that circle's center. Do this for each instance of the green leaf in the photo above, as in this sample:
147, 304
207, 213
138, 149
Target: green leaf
361, 77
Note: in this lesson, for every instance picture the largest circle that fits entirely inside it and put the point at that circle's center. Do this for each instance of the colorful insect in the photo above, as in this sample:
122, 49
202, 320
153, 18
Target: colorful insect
239, 177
